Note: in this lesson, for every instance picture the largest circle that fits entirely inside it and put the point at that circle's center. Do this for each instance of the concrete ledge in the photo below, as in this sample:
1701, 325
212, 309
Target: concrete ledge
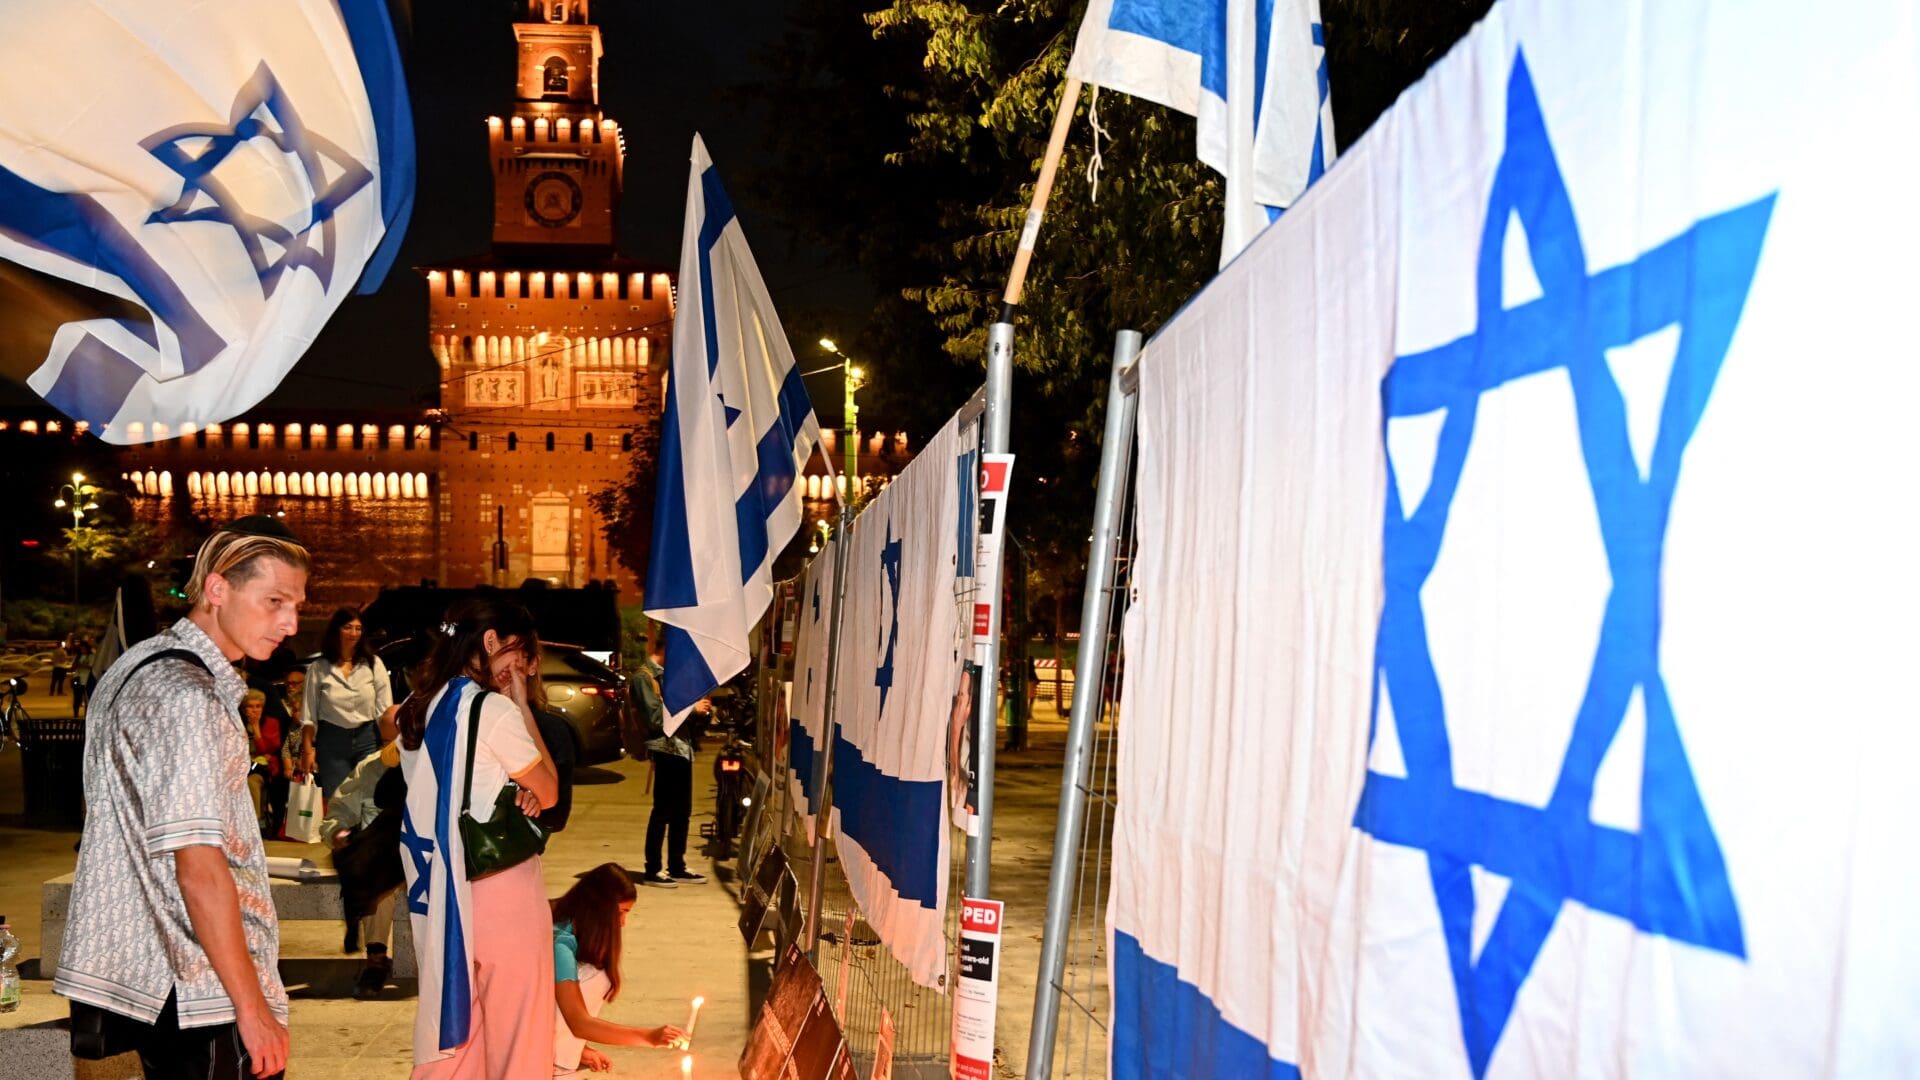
43, 1051
293, 901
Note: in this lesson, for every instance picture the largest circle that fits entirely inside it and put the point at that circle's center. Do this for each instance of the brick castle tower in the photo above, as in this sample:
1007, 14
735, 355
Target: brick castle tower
551, 346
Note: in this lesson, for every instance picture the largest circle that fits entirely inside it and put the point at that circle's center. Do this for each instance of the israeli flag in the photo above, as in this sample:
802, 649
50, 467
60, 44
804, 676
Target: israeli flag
174, 237
1254, 73
737, 429
807, 702
906, 635
1544, 715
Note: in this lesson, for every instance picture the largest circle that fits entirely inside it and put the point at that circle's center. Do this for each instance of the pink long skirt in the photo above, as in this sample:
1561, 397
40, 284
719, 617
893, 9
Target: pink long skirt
513, 983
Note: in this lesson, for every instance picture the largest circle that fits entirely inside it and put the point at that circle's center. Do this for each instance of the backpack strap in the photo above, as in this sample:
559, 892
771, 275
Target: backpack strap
164, 654
473, 744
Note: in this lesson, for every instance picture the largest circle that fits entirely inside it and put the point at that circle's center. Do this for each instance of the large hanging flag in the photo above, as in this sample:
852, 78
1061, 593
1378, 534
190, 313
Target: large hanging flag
174, 237
904, 643
737, 429
807, 701
1254, 73
1544, 714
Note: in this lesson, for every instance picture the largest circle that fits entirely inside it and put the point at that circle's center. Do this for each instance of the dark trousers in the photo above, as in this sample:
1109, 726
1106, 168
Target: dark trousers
672, 806
170, 1052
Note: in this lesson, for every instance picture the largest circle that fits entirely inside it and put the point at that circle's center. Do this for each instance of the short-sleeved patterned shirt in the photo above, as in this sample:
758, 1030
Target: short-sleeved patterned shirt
166, 768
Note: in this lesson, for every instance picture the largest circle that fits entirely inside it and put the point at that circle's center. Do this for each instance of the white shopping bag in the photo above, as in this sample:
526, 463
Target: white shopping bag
304, 810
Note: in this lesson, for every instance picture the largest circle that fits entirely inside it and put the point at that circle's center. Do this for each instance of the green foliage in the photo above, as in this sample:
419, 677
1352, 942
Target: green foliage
909, 140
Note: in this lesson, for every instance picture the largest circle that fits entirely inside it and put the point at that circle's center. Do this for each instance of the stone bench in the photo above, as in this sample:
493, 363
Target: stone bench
293, 901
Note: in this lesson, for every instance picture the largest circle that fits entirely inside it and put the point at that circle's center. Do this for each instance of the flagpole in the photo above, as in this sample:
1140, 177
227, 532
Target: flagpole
1042, 191
995, 427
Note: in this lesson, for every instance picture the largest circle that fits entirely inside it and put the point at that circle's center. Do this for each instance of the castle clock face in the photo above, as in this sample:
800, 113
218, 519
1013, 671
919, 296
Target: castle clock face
553, 199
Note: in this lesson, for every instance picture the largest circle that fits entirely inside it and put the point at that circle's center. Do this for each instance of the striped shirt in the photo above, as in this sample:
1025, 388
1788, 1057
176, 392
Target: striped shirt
165, 769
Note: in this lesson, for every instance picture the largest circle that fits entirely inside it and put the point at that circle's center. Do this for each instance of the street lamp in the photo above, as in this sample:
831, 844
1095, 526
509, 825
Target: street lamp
822, 535
853, 378
77, 496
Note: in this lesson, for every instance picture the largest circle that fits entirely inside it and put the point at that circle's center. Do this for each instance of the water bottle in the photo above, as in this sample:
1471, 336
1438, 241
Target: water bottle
9, 975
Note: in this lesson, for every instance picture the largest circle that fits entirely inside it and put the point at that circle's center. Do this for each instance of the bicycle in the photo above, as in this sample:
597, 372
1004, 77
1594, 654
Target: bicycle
12, 713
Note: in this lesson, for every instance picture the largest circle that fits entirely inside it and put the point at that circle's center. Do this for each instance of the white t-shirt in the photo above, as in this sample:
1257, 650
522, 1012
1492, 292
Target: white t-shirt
505, 748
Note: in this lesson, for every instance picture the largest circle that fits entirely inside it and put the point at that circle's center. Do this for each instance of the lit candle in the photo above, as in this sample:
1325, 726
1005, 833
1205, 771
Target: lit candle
693, 1017
686, 1065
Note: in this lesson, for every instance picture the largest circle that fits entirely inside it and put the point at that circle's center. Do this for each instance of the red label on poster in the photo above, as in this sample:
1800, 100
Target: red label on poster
977, 989
982, 619
993, 477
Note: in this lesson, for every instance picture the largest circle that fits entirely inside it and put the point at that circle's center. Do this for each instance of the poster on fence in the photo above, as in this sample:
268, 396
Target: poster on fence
976, 994
883, 1048
796, 1037
1542, 715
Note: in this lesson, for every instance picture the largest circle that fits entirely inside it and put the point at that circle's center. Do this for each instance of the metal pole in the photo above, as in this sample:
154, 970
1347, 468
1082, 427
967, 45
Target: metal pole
850, 384
994, 425
1116, 451
823, 765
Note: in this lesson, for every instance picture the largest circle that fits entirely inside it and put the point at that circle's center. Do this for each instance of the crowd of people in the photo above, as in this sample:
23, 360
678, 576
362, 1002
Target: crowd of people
441, 802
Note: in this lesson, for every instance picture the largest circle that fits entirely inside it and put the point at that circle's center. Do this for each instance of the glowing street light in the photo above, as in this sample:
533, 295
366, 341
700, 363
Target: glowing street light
852, 378
77, 496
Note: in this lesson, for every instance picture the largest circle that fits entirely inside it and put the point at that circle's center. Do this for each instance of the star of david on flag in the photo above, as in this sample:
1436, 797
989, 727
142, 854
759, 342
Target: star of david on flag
174, 239
1668, 877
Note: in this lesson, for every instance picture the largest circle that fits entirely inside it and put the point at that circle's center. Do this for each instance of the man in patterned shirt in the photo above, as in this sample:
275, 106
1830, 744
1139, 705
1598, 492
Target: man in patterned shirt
171, 925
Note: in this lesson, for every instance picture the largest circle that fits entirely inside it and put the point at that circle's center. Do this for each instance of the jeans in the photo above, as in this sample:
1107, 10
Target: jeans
672, 806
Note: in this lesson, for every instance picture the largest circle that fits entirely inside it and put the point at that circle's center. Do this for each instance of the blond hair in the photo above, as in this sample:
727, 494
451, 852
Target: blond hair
252, 696
236, 556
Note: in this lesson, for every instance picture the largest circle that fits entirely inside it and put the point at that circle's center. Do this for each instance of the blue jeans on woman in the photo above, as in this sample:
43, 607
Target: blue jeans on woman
337, 750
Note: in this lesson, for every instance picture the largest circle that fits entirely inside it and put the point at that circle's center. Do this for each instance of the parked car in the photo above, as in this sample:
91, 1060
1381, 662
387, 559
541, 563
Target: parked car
591, 696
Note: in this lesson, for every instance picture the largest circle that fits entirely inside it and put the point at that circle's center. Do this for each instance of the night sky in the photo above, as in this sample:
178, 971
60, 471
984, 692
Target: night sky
669, 70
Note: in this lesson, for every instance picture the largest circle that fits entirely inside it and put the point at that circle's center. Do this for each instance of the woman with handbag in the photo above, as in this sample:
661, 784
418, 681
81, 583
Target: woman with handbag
476, 770
347, 691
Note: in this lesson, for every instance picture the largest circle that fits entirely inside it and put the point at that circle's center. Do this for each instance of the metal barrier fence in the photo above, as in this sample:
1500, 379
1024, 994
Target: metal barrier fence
1073, 955
851, 951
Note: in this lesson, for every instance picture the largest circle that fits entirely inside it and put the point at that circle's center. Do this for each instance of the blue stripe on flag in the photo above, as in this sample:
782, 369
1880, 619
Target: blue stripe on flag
800, 753
717, 211
1195, 26
896, 822
95, 380
456, 994
688, 676
670, 582
775, 476
1163, 1026
968, 467
370, 29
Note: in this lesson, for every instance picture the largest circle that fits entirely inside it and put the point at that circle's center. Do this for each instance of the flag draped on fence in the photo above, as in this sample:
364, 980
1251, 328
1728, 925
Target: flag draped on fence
737, 429
903, 646
1542, 715
1253, 72
187, 193
807, 704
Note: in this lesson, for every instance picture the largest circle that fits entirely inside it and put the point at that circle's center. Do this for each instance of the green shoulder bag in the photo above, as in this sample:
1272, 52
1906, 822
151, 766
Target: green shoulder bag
509, 837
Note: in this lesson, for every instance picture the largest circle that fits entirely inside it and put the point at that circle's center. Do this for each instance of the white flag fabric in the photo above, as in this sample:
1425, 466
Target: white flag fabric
1524, 574
737, 429
1254, 74
807, 704
174, 236
903, 647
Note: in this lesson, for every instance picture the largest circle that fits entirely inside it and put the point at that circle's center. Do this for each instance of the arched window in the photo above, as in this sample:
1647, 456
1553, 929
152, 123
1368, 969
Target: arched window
626, 441
473, 440
513, 440
589, 442
554, 76
549, 442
